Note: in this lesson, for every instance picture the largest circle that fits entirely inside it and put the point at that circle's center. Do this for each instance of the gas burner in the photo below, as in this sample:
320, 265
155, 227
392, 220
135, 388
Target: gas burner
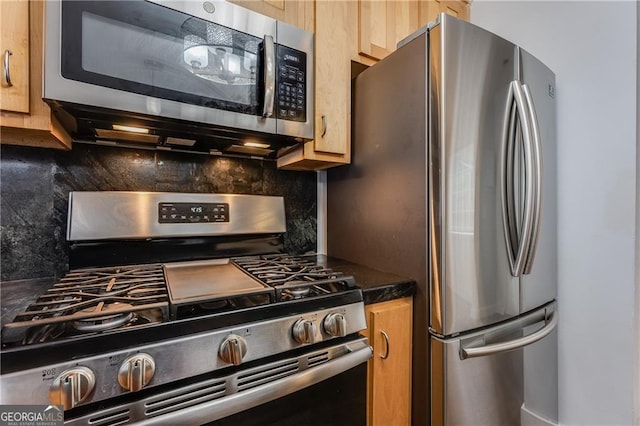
93, 301
108, 322
294, 277
295, 293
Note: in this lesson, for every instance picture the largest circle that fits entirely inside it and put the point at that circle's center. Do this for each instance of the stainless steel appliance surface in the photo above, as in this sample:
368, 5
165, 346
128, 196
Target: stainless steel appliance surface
204, 76
211, 328
453, 183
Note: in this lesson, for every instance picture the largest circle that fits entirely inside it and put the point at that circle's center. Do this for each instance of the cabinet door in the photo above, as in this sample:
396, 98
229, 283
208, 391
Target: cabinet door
39, 127
429, 9
289, 11
14, 44
333, 78
332, 143
389, 388
382, 24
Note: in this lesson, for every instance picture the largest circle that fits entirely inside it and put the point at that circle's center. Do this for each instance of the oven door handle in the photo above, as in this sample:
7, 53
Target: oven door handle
235, 403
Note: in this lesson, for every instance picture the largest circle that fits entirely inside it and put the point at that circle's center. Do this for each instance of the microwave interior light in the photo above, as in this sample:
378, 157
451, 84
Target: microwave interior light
256, 145
130, 129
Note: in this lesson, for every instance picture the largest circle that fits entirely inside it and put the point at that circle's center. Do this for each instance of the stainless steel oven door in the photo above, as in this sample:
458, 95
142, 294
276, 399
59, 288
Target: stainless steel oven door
276, 392
211, 63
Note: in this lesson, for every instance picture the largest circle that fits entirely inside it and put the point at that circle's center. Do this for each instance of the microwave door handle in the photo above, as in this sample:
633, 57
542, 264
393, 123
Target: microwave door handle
269, 76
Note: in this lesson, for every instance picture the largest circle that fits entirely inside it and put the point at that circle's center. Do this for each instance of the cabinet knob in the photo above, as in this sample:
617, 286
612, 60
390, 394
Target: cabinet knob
72, 387
136, 372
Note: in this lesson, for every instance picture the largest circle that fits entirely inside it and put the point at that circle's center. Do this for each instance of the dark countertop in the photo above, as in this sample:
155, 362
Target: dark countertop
377, 286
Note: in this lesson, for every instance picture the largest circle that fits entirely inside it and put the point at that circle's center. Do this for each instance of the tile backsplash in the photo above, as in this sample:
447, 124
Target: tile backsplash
35, 185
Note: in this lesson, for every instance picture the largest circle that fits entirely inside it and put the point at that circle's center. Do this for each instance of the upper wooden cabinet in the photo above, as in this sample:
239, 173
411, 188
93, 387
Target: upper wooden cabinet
328, 20
430, 9
290, 11
331, 145
363, 31
14, 41
382, 24
25, 118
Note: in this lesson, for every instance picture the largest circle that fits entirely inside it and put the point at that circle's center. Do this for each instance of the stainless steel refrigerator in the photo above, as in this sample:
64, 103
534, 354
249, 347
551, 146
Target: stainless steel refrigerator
453, 182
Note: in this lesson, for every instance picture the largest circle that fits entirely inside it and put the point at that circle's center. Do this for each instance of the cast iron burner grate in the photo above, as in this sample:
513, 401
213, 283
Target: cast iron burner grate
92, 301
294, 277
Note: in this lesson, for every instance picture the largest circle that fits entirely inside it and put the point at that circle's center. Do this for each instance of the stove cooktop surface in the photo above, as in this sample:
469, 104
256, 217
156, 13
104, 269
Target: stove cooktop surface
100, 301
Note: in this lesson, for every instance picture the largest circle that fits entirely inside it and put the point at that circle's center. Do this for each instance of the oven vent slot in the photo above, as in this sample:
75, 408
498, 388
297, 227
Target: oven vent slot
111, 419
187, 397
318, 359
267, 374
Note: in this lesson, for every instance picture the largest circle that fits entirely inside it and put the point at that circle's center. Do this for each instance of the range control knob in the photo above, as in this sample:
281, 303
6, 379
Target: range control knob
304, 331
72, 387
136, 372
335, 325
233, 349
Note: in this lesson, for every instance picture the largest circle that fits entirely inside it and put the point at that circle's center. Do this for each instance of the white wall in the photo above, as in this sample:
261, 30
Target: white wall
591, 46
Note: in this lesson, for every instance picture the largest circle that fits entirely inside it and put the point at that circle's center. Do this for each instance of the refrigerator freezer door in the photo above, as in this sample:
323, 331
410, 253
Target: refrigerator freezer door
540, 284
475, 391
478, 378
470, 74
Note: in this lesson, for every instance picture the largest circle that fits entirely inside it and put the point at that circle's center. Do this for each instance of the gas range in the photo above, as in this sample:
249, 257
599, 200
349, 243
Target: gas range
107, 342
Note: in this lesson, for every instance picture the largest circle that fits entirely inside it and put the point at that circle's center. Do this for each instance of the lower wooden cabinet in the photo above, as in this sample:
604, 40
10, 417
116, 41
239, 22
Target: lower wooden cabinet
389, 329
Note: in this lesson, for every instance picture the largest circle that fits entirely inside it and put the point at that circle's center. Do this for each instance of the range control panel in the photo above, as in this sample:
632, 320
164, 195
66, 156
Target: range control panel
192, 212
291, 81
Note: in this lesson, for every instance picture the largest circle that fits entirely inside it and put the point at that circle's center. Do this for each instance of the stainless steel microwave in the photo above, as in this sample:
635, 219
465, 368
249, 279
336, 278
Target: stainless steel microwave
208, 76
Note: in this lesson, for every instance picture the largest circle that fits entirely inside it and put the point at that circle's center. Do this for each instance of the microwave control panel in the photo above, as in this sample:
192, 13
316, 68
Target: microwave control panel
291, 83
192, 212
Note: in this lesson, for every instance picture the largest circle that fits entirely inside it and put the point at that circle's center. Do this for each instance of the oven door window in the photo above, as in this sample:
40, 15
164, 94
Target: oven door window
151, 50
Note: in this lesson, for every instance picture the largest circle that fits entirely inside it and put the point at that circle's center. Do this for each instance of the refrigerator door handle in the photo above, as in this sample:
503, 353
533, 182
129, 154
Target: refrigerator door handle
475, 347
506, 184
517, 111
537, 179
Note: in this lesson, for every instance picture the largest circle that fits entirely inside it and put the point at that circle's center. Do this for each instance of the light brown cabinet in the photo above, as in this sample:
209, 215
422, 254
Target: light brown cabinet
382, 24
332, 142
363, 31
293, 12
14, 42
389, 330
429, 9
25, 119
329, 21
